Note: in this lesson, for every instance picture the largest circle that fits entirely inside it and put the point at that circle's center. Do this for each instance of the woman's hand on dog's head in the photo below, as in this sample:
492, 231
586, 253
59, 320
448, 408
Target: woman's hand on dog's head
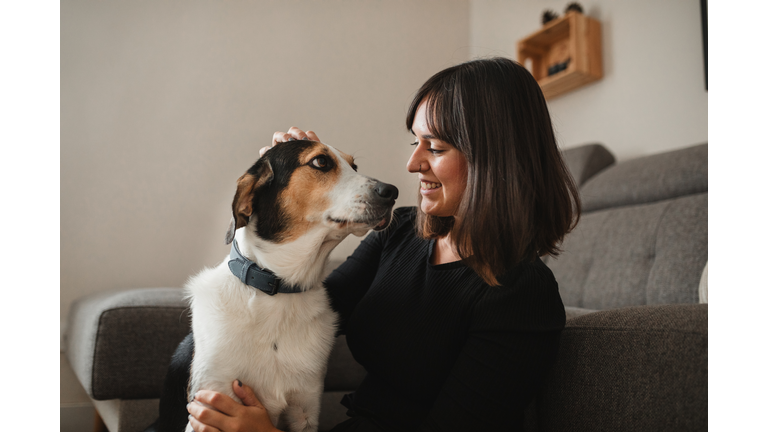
228, 415
293, 133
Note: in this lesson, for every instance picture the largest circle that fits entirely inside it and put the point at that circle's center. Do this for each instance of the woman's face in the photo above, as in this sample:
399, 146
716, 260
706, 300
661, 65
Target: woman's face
442, 169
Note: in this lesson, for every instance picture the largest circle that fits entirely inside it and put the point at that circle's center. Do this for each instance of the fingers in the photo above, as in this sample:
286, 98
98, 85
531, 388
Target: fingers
219, 401
297, 133
293, 134
246, 394
197, 426
204, 419
279, 137
251, 416
311, 135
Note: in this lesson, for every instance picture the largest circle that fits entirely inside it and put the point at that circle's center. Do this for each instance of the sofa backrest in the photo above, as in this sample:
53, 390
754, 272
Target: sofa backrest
587, 160
642, 237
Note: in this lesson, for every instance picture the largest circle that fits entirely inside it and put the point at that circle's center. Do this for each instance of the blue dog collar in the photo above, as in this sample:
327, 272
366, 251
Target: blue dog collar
253, 275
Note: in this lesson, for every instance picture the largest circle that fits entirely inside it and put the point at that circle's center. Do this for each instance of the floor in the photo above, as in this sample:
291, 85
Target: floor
76, 413
74, 418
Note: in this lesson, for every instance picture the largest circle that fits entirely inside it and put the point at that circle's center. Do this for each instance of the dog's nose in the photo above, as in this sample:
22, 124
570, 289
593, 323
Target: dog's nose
386, 191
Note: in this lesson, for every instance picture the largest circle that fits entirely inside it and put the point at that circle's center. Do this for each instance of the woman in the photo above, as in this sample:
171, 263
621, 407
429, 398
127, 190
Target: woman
450, 309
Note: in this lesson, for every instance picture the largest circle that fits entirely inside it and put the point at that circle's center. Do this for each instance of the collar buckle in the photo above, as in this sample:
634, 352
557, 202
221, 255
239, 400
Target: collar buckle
275, 285
251, 274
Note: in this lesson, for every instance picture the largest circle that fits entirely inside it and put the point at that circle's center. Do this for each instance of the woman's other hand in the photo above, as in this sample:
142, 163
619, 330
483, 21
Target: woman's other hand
293, 133
231, 416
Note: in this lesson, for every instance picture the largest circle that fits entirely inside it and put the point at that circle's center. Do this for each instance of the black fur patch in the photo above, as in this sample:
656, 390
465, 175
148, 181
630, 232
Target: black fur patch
284, 158
174, 399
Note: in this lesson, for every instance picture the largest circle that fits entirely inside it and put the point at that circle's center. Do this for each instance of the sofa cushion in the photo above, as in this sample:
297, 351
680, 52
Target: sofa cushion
635, 255
642, 369
648, 179
642, 237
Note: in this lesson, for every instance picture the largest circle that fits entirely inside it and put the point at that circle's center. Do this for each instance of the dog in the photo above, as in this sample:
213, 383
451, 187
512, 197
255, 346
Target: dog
263, 316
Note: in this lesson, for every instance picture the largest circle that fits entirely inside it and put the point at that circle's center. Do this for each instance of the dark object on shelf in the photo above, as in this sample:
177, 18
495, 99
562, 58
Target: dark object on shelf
548, 16
559, 67
574, 7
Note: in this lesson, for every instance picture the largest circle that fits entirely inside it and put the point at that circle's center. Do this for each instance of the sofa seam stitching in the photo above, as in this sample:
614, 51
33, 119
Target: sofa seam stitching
655, 249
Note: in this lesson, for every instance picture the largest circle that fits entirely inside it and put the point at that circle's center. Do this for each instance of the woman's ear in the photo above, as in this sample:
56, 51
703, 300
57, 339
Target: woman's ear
248, 186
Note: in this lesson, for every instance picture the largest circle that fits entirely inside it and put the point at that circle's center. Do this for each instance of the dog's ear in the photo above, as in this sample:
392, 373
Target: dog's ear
248, 185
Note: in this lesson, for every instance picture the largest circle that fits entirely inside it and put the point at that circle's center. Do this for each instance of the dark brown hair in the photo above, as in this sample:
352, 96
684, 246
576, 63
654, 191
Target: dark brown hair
520, 200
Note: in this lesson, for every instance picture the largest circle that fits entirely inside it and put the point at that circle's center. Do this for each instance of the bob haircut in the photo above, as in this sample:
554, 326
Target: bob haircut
520, 199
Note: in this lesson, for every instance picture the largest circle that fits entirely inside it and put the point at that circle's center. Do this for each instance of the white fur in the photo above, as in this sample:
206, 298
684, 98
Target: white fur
236, 327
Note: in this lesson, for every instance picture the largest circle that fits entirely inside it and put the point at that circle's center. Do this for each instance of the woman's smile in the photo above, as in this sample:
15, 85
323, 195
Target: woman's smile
442, 169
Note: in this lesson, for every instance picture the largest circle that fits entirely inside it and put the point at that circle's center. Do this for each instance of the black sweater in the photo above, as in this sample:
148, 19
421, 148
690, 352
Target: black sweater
443, 350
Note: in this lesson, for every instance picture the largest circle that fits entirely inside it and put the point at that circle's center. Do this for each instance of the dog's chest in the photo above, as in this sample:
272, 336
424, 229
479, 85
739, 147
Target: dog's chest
239, 330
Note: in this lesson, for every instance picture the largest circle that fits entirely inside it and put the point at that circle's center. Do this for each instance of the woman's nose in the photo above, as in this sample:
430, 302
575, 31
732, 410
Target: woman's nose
415, 163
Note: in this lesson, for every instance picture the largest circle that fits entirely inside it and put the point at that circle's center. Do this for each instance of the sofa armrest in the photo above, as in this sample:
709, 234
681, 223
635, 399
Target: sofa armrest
637, 368
120, 343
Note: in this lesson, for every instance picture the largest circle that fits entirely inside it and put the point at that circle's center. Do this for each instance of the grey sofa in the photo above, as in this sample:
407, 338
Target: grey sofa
633, 354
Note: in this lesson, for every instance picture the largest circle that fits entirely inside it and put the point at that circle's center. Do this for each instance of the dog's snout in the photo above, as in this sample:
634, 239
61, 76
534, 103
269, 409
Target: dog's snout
386, 191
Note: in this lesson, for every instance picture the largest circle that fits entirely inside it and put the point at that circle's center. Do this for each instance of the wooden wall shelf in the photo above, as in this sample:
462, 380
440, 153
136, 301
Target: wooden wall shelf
573, 43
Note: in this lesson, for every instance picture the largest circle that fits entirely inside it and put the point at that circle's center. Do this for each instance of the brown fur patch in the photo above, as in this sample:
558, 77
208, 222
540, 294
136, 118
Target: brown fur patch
242, 203
306, 198
247, 185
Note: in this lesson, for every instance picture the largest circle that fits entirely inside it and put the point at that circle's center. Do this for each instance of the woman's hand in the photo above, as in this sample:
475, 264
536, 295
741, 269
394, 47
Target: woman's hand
293, 134
231, 416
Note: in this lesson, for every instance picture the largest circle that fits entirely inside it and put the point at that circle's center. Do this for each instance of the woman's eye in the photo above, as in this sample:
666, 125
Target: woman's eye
320, 162
431, 150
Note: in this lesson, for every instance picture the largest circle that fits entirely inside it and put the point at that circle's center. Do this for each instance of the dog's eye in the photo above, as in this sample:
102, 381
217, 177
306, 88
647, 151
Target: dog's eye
320, 162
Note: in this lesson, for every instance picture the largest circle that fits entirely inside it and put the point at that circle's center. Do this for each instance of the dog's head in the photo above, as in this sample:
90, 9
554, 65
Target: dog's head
300, 185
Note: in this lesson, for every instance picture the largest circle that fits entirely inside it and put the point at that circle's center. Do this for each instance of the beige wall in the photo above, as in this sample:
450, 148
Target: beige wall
165, 103
652, 97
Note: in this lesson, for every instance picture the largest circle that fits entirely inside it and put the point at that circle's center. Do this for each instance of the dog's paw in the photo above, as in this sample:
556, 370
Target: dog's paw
299, 420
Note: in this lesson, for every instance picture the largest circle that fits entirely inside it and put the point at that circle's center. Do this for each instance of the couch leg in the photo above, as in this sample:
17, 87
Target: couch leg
98, 423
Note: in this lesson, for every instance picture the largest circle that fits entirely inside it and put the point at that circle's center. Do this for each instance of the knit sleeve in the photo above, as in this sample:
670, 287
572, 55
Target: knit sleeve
349, 282
512, 344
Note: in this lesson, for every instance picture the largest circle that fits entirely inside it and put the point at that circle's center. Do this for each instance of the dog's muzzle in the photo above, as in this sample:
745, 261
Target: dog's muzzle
385, 193
384, 197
